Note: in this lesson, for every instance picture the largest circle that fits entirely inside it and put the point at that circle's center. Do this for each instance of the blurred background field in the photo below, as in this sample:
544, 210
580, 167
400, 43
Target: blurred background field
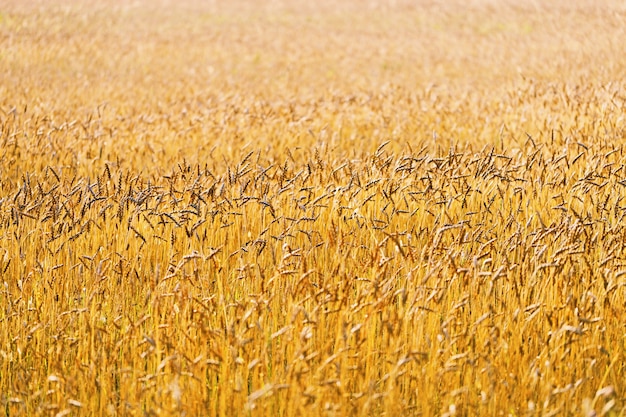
312, 208
357, 73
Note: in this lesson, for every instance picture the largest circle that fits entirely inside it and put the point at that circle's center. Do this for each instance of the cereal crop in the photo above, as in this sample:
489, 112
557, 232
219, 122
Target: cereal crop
294, 208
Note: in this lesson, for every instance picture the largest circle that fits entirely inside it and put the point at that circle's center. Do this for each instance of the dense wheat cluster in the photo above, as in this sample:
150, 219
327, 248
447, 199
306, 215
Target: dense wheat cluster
287, 208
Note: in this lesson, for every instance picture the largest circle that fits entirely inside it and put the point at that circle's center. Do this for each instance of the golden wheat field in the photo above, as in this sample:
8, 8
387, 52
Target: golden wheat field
295, 208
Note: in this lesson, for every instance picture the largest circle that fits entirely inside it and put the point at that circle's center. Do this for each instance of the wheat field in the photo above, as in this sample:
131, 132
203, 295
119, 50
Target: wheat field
294, 208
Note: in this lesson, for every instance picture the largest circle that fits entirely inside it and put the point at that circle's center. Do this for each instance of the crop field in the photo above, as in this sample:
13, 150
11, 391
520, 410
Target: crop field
297, 208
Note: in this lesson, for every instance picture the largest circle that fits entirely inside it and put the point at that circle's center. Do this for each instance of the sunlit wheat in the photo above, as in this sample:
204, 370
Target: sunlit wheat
310, 208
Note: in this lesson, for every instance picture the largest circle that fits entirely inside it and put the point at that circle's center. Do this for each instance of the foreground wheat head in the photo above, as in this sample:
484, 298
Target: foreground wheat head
311, 243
